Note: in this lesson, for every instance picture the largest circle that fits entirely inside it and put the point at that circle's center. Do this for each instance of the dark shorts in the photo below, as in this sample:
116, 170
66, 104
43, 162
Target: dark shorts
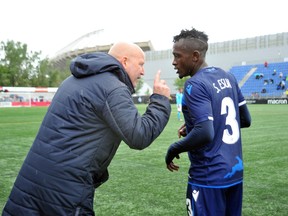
214, 201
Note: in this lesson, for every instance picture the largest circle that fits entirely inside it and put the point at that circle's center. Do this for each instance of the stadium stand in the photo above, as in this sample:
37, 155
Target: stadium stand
262, 78
96, 41
242, 57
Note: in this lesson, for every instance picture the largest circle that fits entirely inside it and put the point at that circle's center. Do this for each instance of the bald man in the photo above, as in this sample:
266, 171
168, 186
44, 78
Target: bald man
91, 113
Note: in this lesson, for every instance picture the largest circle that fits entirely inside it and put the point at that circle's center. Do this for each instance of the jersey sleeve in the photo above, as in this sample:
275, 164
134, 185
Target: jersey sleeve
198, 102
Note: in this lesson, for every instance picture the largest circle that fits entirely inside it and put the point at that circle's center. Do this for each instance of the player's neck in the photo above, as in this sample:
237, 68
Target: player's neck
203, 65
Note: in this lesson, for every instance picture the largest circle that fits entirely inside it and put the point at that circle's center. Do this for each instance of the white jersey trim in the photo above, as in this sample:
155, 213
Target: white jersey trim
242, 103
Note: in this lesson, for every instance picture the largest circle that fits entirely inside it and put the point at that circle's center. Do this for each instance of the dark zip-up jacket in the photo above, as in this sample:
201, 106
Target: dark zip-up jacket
91, 113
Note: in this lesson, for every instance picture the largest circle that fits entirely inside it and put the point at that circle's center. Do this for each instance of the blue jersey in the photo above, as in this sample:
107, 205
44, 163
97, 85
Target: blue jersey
213, 94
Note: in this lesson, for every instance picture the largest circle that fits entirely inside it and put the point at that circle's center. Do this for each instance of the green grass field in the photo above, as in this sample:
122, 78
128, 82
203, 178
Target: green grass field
139, 182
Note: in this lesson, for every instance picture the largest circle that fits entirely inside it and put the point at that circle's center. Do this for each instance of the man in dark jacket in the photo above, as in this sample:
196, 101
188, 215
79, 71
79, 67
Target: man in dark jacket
91, 113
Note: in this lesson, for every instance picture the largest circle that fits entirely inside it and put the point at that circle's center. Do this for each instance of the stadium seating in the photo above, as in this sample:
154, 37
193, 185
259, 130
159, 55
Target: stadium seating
260, 77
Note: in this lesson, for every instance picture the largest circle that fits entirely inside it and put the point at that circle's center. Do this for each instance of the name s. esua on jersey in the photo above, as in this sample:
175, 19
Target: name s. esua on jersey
222, 84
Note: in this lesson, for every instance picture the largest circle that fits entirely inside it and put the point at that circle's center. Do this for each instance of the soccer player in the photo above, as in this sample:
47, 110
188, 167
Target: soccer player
179, 96
214, 110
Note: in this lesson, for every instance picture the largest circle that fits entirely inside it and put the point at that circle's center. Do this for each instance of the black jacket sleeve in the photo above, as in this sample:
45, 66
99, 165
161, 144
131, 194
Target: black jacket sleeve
137, 130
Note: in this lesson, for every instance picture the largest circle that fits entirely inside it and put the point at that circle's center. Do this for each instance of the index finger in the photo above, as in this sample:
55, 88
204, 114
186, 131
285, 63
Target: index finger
157, 76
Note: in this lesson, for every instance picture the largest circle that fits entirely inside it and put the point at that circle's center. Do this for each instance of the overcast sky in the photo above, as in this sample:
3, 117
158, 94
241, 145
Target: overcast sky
48, 26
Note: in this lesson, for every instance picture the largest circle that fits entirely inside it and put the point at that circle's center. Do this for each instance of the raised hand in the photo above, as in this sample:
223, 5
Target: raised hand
160, 86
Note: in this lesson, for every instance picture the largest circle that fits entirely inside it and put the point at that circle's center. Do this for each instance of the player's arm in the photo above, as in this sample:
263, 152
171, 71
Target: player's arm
198, 137
245, 117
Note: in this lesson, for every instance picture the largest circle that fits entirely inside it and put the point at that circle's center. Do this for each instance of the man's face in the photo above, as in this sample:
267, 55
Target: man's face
183, 59
135, 67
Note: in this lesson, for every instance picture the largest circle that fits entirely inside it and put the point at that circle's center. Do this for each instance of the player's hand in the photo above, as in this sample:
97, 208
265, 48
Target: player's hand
182, 131
172, 167
169, 159
160, 86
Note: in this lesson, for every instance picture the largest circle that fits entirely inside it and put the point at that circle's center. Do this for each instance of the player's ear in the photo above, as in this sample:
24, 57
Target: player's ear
196, 55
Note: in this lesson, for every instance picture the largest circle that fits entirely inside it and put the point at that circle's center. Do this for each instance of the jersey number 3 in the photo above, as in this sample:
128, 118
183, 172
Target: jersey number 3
228, 107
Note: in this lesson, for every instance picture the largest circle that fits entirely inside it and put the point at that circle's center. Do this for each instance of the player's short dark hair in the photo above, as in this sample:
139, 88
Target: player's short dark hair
200, 38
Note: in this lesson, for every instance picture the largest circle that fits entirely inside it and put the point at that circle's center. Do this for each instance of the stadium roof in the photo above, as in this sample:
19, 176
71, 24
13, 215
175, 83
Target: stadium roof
96, 41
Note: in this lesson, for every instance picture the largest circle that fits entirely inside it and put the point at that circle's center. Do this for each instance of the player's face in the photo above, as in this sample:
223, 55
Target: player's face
183, 59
